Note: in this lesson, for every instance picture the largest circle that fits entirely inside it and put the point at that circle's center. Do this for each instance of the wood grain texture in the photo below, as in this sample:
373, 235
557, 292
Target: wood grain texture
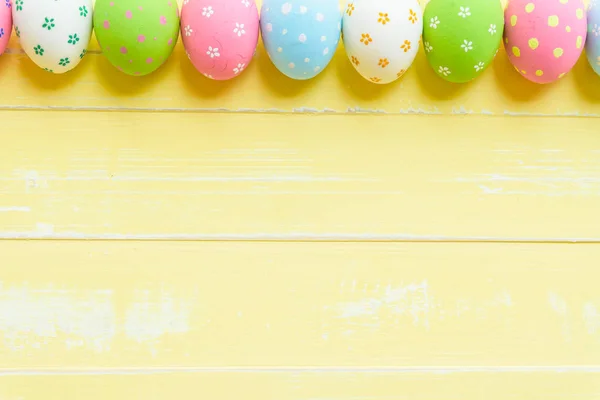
270, 239
245, 177
301, 386
308, 305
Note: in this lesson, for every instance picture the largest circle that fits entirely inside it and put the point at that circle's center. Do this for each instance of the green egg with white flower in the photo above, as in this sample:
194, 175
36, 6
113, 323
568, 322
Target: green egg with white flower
462, 37
54, 34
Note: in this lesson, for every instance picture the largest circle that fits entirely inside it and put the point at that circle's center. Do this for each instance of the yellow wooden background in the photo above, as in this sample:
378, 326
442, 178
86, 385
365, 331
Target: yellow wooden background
170, 237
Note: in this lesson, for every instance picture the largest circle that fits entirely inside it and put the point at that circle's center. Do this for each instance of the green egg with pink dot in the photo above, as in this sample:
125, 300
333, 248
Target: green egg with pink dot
137, 36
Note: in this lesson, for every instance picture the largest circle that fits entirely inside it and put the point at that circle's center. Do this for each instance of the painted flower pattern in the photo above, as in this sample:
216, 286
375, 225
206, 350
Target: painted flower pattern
38, 50
467, 45
383, 18
83, 11
355, 61
64, 62
365, 39
239, 29
412, 16
406, 46
428, 47
73, 39
383, 62
444, 71
479, 66
239, 68
350, 9
19, 4
464, 12
188, 30
213, 52
434, 22
48, 23
207, 12
492, 29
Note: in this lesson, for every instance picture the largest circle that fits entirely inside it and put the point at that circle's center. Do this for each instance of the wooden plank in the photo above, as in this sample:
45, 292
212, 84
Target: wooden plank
215, 176
95, 84
305, 385
75, 304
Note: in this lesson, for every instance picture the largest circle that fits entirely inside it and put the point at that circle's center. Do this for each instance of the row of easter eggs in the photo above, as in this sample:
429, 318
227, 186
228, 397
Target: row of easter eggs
543, 38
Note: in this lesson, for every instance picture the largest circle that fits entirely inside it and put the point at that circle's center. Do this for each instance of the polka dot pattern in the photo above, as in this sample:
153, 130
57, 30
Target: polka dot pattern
592, 46
547, 37
220, 36
5, 23
137, 36
301, 36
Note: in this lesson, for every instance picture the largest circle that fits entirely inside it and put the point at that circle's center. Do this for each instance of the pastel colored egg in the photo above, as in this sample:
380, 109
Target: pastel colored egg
5, 23
544, 39
54, 34
301, 36
461, 37
220, 36
382, 37
592, 45
137, 36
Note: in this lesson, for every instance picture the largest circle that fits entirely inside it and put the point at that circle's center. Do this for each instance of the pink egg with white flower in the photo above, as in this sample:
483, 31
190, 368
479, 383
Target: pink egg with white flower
5, 23
220, 36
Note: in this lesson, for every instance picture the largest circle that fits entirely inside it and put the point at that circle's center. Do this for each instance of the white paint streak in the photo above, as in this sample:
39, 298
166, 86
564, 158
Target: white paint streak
559, 305
591, 318
153, 315
412, 300
15, 209
33, 318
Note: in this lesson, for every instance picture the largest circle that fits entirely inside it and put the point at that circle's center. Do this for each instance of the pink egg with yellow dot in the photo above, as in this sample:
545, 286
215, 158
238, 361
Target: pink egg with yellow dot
544, 38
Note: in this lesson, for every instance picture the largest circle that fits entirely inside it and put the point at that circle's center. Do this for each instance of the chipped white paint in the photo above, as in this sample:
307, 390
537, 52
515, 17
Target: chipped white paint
417, 301
33, 318
559, 305
591, 318
153, 315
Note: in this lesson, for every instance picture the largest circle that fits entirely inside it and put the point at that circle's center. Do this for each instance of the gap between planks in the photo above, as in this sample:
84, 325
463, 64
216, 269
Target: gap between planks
308, 369
457, 112
292, 238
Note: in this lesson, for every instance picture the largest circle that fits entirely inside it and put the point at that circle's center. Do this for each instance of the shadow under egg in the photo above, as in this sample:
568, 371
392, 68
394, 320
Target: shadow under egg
434, 86
47, 81
277, 82
354, 83
586, 79
119, 83
201, 86
514, 85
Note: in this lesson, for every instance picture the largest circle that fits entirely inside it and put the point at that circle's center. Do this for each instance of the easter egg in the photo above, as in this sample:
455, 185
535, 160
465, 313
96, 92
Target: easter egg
462, 37
137, 36
382, 37
54, 34
5, 23
592, 45
301, 36
220, 36
544, 39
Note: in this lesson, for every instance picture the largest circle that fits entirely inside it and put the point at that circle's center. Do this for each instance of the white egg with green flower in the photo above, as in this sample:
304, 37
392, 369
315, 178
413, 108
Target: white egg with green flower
54, 34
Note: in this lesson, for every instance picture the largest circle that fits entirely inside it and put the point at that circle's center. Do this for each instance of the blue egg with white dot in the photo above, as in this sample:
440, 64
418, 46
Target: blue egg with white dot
592, 45
301, 36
